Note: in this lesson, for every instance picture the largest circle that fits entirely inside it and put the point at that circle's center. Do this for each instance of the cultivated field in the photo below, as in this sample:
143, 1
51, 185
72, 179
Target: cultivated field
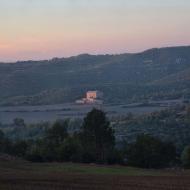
33, 114
17, 175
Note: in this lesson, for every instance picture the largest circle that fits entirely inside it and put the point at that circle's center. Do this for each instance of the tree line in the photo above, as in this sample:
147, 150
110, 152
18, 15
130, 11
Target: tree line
95, 143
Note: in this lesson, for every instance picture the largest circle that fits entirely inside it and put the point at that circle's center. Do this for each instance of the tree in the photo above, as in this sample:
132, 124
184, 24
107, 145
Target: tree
35, 152
97, 137
5, 144
150, 152
57, 133
2, 135
188, 114
19, 122
2, 139
188, 110
47, 148
20, 148
185, 157
70, 150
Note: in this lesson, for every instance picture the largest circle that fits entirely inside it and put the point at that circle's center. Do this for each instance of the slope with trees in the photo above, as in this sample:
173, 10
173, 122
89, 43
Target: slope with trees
156, 73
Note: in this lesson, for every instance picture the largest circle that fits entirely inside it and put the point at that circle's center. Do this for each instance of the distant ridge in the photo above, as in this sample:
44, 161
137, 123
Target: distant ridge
88, 54
158, 73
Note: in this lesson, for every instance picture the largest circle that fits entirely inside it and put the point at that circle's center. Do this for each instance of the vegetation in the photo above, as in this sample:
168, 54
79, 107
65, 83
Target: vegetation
169, 125
94, 142
150, 152
19, 175
185, 157
153, 74
97, 137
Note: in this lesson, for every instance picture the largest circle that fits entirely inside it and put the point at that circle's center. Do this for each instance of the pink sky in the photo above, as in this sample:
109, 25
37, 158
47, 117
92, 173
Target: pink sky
42, 29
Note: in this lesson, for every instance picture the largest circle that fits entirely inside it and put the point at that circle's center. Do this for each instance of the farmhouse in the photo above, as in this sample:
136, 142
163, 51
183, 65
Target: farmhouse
92, 97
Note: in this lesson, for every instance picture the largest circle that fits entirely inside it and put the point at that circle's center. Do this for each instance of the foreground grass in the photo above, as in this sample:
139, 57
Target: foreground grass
20, 166
20, 175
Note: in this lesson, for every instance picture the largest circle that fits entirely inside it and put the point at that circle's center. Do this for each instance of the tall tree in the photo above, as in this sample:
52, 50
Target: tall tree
97, 136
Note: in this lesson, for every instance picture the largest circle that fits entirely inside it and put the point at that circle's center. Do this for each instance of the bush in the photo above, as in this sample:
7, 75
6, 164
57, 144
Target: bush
150, 152
70, 150
185, 157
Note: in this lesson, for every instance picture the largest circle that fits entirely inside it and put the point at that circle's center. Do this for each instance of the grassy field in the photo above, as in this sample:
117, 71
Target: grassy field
18, 175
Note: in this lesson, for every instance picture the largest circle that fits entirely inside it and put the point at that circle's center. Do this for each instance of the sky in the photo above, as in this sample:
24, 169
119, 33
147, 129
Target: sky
42, 29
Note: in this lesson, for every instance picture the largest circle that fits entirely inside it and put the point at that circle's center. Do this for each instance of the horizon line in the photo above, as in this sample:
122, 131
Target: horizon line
103, 54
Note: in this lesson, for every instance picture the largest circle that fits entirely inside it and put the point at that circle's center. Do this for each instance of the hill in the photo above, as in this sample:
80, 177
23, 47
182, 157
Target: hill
156, 73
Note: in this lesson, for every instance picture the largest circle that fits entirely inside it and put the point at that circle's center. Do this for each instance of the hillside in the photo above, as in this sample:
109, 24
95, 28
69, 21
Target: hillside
155, 73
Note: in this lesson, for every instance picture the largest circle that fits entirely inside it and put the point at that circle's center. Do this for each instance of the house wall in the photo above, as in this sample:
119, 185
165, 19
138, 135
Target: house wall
91, 95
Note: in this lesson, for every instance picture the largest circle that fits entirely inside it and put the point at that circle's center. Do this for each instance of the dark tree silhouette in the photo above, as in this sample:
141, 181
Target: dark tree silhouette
150, 152
58, 132
97, 136
185, 157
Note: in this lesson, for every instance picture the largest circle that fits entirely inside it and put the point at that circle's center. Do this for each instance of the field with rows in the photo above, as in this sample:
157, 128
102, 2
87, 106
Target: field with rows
20, 175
